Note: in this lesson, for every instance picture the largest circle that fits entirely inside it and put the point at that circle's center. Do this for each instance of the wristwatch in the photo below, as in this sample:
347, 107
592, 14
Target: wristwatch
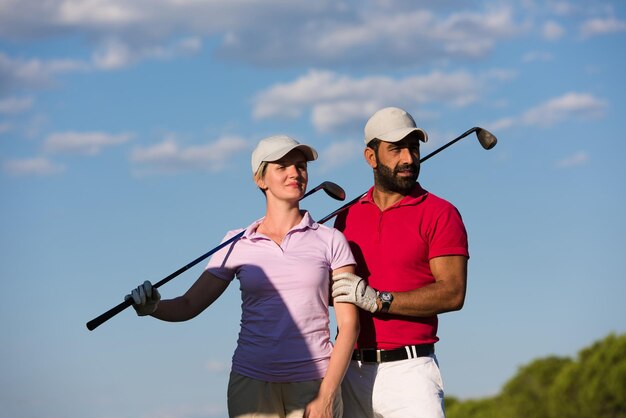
385, 299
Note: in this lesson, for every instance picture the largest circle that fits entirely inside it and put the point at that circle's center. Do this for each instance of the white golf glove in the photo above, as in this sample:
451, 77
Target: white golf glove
145, 298
348, 287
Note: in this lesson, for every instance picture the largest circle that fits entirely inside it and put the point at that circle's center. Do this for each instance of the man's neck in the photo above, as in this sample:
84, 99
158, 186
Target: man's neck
385, 198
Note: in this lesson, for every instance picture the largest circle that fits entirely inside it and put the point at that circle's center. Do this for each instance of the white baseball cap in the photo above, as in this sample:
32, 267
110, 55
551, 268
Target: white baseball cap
274, 148
391, 124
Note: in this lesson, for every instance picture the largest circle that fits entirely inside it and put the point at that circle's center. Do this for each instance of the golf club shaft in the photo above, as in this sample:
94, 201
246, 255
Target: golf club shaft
432, 154
455, 140
94, 323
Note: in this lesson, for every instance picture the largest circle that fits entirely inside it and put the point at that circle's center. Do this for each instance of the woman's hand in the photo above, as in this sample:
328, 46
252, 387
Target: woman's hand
320, 407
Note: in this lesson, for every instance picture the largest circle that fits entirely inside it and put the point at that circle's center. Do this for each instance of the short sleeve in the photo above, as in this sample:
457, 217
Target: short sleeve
341, 253
221, 264
448, 235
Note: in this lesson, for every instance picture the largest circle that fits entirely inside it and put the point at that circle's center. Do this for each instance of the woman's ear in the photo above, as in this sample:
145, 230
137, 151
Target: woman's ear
370, 157
259, 182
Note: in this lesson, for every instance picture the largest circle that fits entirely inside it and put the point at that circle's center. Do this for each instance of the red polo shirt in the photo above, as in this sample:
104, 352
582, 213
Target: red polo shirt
392, 249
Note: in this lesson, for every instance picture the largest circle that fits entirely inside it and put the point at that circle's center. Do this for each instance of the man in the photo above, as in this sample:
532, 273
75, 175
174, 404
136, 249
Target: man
411, 252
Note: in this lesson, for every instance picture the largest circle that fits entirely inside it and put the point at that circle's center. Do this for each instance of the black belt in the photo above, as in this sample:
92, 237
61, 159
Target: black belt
369, 355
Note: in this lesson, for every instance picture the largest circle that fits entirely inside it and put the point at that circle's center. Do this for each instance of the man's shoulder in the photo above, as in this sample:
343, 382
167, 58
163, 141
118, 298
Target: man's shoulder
433, 199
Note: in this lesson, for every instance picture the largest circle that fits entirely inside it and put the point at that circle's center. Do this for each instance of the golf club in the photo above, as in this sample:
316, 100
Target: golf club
487, 141
332, 189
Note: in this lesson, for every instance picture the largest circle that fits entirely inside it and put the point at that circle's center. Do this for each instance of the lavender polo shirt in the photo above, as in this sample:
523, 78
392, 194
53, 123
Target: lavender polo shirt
284, 334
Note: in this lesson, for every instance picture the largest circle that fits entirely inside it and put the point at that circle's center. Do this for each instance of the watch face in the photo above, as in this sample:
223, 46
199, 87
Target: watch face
385, 298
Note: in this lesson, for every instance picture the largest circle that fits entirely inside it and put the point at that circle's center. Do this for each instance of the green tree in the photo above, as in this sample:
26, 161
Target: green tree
594, 386
591, 386
526, 394
472, 408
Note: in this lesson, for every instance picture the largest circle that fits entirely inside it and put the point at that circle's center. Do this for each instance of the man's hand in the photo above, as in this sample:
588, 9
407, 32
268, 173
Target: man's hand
145, 298
348, 287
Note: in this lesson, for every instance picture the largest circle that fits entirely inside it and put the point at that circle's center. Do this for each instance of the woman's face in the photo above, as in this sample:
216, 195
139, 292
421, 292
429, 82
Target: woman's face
286, 178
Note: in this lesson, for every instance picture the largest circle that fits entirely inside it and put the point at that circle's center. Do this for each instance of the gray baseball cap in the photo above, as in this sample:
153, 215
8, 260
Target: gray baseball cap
391, 124
275, 147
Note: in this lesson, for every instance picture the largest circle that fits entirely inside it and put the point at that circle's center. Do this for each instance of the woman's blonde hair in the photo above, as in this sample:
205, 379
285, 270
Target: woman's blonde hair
261, 172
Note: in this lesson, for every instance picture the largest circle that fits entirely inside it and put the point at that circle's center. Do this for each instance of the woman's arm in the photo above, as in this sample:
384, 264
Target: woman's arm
348, 331
199, 297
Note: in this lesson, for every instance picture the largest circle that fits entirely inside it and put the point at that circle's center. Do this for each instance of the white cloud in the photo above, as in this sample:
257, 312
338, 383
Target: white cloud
341, 115
87, 143
269, 32
535, 56
552, 31
568, 106
115, 54
97, 13
38, 166
599, 26
498, 74
12, 105
502, 124
16, 73
574, 160
337, 102
562, 7
5, 127
169, 156
142, 19
374, 37
339, 153
217, 366
111, 54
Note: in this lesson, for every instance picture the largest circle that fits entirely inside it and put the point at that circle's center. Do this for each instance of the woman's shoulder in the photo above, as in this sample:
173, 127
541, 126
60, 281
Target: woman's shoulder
330, 233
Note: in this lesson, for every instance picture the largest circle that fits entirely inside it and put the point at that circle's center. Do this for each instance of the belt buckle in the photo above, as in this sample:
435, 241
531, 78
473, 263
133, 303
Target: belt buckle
378, 356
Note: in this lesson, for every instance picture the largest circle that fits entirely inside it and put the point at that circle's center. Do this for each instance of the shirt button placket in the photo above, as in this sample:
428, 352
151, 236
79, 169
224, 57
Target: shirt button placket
379, 232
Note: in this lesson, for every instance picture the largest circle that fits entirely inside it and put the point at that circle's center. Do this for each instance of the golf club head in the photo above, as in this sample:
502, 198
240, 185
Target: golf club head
487, 139
334, 190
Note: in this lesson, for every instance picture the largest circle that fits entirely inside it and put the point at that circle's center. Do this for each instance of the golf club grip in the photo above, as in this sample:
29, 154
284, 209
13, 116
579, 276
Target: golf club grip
96, 322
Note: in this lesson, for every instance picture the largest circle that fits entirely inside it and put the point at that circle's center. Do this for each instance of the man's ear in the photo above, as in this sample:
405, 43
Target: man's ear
370, 157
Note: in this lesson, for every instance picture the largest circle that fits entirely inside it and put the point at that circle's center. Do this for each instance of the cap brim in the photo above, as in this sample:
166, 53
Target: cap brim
309, 153
400, 134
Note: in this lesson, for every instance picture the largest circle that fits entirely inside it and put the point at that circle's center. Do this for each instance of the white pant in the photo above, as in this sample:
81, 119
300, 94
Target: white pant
398, 389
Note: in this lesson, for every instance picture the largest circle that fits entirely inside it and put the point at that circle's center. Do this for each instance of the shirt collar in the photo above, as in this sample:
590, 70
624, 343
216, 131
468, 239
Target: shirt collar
417, 195
306, 222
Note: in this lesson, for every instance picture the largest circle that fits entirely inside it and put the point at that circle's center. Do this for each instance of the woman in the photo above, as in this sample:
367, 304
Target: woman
285, 364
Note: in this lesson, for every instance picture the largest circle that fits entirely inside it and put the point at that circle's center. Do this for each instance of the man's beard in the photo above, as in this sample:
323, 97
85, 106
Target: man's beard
389, 180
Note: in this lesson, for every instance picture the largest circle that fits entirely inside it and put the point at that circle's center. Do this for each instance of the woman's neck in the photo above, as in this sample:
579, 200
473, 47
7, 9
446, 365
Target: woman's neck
279, 219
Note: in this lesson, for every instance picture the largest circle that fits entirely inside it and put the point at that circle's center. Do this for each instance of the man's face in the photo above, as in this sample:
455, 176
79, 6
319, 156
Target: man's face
398, 165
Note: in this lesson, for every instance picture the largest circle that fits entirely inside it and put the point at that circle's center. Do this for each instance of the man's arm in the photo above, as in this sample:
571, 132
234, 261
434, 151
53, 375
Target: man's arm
445, 295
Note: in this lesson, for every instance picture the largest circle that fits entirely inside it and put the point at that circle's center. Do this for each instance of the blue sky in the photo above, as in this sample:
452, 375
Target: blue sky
126, 129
